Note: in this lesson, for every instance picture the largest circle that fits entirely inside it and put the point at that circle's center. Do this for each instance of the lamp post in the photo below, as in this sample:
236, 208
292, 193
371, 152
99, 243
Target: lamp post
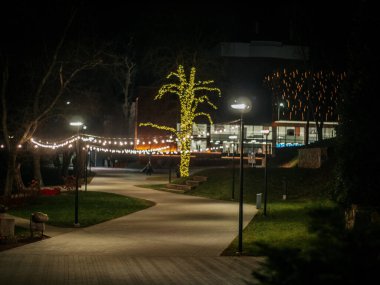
233, 168
233, 173
277, 137
266, 133
85, 169
243, 105
170, 166
85, 172
278, 110
78, 124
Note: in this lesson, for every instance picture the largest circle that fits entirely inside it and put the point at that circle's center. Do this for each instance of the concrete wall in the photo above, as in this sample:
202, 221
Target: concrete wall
311, 157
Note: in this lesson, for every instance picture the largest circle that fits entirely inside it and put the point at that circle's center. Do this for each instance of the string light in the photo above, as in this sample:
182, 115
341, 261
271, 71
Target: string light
98, 145
316, 91
187, 92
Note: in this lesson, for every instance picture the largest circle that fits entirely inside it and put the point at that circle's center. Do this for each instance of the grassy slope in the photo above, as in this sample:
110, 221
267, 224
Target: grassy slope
286, 224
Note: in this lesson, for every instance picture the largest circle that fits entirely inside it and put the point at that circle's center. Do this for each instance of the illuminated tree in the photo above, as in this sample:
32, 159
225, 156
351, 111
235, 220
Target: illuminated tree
190, 94
307, 94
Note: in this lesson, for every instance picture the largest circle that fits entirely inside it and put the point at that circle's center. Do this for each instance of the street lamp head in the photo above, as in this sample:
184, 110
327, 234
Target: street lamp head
241, 104
278, 110
77, 123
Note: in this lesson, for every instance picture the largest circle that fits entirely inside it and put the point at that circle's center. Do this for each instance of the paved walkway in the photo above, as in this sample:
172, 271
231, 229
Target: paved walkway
177, 241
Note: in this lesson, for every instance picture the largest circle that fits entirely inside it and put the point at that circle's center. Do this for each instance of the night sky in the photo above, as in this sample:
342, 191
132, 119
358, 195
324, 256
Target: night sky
30, 28
159, 21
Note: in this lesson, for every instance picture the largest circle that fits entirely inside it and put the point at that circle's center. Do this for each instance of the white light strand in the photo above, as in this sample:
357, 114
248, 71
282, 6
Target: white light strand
101, 141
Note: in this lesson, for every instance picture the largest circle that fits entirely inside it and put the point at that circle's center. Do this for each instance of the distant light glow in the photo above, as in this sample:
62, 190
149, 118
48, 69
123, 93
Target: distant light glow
280, 145
76, 124
239, 106
242, 104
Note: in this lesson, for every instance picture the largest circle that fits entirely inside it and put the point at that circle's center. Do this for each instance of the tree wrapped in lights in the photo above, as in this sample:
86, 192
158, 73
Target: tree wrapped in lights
190, 94
307, 95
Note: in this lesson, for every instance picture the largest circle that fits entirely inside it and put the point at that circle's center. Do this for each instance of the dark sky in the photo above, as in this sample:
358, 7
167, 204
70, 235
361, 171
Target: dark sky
29, 27
321, 23
236, 21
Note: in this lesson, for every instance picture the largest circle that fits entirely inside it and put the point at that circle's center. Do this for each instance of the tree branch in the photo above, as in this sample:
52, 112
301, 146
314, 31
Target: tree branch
51, 67
165, 128
4, 117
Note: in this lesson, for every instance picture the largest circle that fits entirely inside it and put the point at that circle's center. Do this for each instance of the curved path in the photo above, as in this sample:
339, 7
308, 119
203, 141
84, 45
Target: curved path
177, 241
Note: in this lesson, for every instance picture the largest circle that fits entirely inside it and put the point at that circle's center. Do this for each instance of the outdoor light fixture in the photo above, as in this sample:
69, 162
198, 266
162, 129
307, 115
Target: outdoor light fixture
266, 133
278, 110
77, 124
280, 105
243, 105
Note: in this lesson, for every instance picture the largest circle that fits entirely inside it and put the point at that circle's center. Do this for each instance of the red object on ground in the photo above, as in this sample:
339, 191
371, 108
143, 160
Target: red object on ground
50, 191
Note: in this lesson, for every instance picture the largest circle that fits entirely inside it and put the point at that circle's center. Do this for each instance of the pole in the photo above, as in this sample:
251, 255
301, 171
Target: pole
76, 223
170, 166
241, 186
85, 172
266, 176
89, 154
233, 173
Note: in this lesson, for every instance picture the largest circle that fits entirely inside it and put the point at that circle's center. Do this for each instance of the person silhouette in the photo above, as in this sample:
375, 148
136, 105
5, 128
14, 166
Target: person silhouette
148, 169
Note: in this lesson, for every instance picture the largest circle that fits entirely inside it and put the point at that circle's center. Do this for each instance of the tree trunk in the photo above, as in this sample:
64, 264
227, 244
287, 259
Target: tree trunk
11, 172
309, 88
127, 117
319, 126
66, 157
37, 167
307, 128
132, 119
185, 158
127, 103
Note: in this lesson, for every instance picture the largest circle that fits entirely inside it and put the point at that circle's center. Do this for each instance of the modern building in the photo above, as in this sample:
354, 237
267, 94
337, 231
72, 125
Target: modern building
245, 67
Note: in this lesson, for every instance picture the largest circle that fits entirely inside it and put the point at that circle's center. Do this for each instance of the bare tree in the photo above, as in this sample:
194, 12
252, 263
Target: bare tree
123, 68
29, 96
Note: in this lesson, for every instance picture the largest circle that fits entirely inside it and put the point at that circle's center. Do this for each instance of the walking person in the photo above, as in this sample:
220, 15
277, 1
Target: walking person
148, 169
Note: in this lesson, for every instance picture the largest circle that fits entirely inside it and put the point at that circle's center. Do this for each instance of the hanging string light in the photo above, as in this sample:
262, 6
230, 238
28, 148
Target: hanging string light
187, 91
317, 91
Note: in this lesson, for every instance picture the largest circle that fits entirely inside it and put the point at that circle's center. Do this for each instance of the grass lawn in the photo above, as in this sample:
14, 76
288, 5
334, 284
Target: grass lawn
94, 207
286, 223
